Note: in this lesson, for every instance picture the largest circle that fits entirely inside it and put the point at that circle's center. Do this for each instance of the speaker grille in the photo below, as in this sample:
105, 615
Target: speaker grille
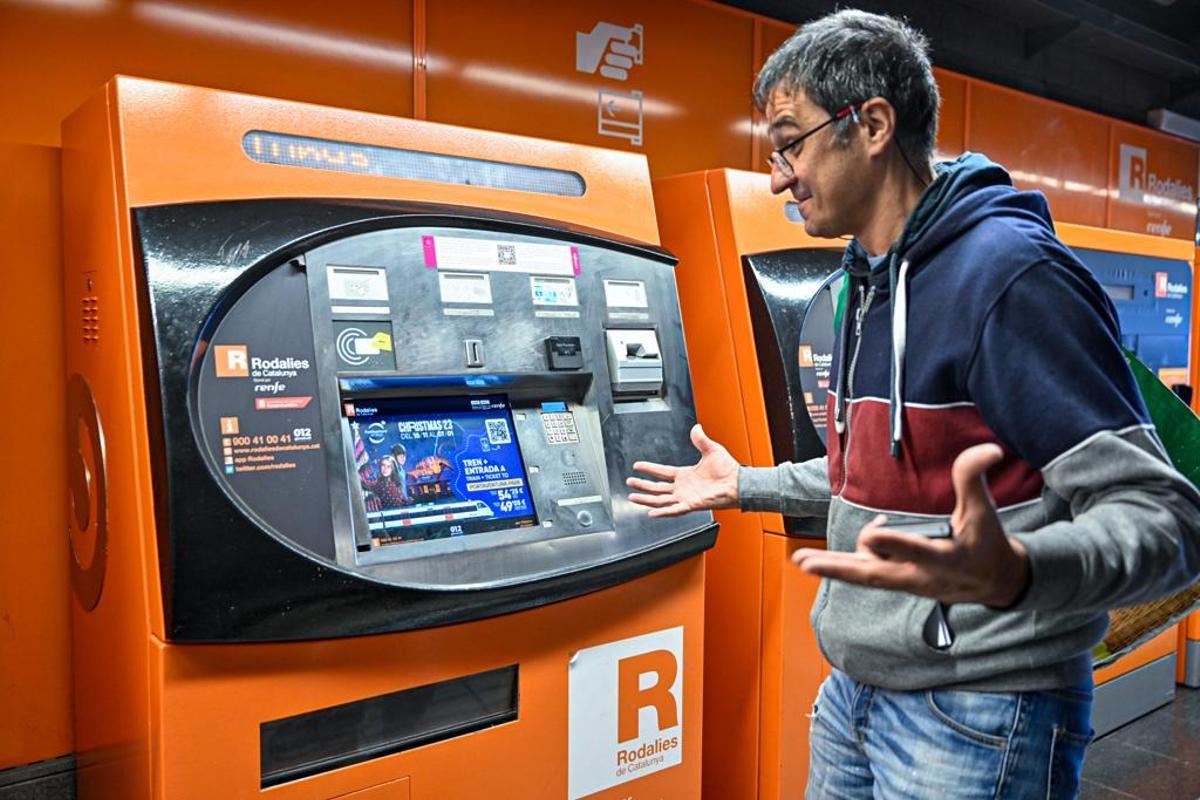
574, 478
90, 319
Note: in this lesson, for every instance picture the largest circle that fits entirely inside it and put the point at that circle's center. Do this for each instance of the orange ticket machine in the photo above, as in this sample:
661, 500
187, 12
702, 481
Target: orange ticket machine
1149, 279
1188, 672
352, 402
757, 296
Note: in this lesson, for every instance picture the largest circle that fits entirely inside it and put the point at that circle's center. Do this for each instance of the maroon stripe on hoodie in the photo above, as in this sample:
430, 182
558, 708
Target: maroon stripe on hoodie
918, 482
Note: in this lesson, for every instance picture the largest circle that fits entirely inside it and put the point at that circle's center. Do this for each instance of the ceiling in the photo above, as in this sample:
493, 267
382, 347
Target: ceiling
1122, 58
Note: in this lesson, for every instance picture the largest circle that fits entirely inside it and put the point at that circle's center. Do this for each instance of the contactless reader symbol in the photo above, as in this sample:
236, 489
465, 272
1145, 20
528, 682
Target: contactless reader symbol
619, 47
354, 346
364, 345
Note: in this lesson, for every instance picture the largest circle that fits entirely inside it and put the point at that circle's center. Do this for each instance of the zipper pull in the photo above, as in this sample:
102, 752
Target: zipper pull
858, 312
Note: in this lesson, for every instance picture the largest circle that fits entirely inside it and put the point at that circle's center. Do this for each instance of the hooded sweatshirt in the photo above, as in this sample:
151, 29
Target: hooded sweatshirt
981, 326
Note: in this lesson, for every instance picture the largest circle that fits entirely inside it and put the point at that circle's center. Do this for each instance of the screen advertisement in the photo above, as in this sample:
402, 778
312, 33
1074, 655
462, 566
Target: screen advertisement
435, 467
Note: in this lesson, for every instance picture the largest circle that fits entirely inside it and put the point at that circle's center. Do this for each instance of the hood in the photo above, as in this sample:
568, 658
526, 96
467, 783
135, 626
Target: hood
964, 191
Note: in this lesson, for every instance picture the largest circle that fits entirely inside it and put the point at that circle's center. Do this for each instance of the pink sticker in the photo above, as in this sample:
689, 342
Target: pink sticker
575, 259
430, 251
281, 403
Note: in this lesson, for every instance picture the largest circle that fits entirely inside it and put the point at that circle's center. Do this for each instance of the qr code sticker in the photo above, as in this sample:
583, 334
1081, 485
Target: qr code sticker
507, 254
357, 288
497, 431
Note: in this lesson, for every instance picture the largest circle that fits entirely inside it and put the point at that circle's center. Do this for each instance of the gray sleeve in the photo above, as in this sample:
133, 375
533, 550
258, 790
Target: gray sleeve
1134, 532
798, 490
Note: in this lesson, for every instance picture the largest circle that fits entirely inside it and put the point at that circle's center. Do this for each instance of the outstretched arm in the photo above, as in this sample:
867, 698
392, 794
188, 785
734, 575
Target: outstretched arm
718, 481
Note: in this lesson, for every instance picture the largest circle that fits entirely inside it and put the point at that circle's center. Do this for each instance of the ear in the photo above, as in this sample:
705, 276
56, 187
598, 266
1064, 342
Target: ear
878, 124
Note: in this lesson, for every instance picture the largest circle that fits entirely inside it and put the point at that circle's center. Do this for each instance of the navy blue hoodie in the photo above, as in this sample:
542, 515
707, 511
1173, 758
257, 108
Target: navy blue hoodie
981, 326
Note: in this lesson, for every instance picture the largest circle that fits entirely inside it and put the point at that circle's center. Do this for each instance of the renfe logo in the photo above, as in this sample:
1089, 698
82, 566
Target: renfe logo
233, 361
626, 711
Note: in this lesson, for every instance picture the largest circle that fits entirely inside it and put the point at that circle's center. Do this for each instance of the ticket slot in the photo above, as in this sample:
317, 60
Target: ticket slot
320, 741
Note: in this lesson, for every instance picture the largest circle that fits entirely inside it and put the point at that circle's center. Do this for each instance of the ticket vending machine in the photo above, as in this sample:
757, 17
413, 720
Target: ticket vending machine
1150, 282
757, 296
352, 400
1188, 672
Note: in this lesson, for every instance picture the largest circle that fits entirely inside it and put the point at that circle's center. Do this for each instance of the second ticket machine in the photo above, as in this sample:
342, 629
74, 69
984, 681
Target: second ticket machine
1149, 279
757, 296
352, 401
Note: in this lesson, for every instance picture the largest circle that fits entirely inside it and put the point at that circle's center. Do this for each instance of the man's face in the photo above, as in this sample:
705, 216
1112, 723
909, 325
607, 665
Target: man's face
828, 180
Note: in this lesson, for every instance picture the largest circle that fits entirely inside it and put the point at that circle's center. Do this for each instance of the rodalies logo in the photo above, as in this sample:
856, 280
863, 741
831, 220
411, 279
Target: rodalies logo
626, 711
1140, 185
268, 374
232, 361
1164, 287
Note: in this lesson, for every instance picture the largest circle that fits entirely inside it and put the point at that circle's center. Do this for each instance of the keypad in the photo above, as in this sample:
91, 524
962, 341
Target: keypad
560, 428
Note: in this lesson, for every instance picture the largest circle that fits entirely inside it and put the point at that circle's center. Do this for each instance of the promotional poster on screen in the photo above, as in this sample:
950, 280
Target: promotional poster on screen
429, 468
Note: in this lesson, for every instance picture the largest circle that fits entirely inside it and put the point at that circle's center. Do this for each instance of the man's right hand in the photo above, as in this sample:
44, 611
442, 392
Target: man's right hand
711, 483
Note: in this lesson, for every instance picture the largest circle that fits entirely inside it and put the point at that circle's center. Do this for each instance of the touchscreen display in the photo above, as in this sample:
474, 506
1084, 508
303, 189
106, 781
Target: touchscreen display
440, 466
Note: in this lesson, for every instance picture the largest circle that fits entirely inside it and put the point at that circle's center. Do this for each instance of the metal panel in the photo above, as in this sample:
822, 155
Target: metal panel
1191, 670
1133, 695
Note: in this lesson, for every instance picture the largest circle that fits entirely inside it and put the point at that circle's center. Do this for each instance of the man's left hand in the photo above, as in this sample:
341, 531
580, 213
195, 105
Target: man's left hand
978, 564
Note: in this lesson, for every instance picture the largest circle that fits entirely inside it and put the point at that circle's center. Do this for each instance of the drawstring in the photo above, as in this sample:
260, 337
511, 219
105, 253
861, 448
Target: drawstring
898, 280
899, 345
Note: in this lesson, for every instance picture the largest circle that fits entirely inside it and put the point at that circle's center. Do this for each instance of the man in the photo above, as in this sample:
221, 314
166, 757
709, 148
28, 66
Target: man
972, 343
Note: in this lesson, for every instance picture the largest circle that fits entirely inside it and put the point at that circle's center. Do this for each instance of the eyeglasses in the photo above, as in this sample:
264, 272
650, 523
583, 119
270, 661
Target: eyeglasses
779, 161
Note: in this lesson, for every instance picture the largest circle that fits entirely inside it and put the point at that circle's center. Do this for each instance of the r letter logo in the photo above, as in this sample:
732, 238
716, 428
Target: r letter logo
1132, 186
1161, 284
626, 711
233, 361
661, 667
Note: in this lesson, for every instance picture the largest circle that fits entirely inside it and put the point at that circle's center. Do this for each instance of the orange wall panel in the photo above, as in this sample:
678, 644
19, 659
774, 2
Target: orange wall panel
35, 668
770, 36
774, 34
54, 55
1152, 182
952, 121
1045, 146
507, 73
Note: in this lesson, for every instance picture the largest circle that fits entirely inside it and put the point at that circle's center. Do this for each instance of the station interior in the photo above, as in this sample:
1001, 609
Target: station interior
331, 333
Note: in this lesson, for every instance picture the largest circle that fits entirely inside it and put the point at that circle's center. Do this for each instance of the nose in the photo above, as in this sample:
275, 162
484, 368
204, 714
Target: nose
780, 182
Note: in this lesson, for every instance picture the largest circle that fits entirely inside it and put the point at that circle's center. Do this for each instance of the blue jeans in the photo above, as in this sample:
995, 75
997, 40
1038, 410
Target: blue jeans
868, 742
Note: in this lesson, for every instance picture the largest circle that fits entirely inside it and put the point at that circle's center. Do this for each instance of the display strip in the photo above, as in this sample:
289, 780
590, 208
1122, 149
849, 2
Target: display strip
389, 162
339, 736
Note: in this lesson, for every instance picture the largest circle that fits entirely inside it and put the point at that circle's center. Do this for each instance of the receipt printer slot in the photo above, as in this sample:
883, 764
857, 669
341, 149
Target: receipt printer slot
635, 363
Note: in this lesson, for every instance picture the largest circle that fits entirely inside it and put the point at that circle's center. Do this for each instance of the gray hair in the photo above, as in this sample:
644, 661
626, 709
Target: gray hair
851, 56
